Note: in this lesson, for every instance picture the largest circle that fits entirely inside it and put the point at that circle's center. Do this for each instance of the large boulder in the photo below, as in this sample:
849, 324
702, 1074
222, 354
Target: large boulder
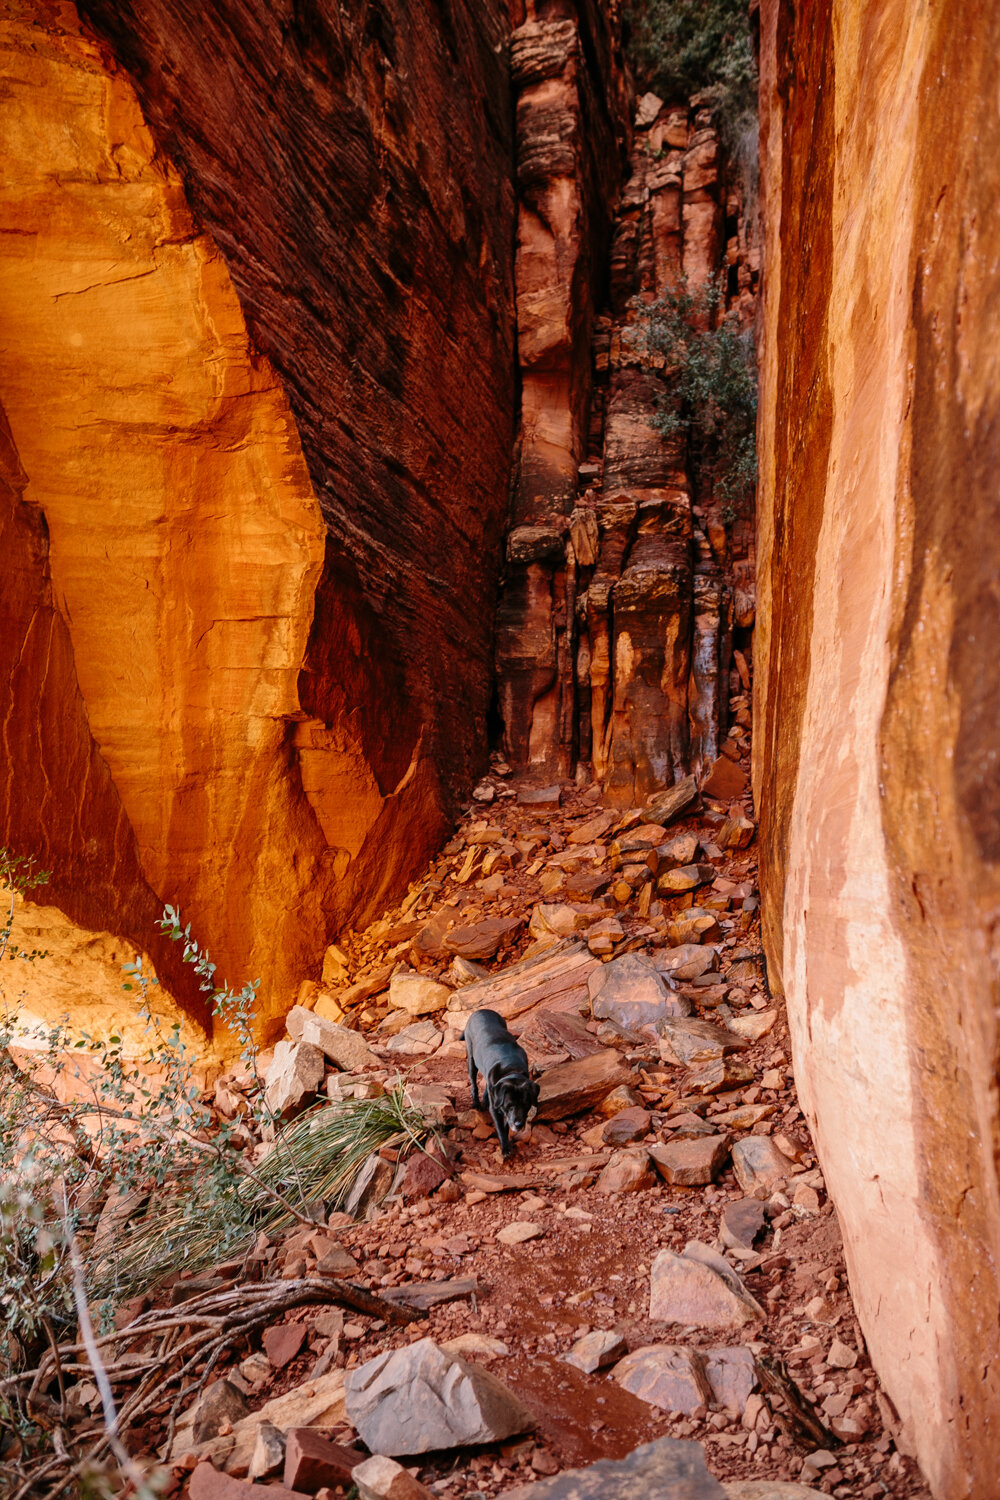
420, 1398
669, 1468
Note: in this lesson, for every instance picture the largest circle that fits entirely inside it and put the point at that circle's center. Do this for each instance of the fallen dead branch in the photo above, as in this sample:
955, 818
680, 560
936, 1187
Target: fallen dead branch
167, 1350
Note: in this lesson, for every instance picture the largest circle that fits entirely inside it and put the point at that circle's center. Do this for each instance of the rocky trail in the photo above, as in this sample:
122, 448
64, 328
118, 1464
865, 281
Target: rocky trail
658, 1258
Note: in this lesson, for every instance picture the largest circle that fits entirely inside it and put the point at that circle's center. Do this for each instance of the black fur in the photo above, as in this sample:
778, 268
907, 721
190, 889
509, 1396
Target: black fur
509, 1091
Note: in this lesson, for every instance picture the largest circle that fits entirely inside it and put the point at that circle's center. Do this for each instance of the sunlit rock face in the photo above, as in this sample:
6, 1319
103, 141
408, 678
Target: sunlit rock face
256, 290
876, 691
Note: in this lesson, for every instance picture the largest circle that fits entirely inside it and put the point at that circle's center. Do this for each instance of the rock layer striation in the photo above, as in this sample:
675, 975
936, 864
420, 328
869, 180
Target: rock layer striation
876, 688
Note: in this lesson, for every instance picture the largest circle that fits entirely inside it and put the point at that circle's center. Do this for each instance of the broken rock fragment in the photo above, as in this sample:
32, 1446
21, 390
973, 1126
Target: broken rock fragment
699, 1288
417, 996
669, 1376
687, 1041
295, 1074
669, 1468
482, 940
685, 962
758, 1163
731, 1374
671, 804
418, 1040
627, 1172
418, 1399
344, 1047
632, 994
743, 1221
221, 1404
572, 1087
312, 1461
381, 1478
693, 926
691, 1163
595, 1350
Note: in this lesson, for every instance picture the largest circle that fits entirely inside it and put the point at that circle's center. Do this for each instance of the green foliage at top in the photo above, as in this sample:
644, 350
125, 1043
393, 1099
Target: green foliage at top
712, 371
685, 47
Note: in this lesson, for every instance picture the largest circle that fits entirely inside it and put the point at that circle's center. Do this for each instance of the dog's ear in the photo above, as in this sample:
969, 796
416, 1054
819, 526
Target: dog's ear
534, 1092
494, 1076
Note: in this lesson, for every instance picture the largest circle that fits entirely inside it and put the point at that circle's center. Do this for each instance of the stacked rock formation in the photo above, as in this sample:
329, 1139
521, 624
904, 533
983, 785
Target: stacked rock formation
616, 620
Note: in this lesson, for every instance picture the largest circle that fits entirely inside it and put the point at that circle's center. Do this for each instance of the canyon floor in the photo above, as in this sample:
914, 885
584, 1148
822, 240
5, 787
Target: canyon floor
550, 873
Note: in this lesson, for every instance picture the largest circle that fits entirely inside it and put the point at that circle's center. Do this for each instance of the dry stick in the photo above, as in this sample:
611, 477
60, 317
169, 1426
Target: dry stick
776, 1379
123, 1458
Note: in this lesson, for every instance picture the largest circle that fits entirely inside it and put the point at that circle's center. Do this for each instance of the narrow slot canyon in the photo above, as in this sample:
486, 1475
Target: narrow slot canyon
496, 507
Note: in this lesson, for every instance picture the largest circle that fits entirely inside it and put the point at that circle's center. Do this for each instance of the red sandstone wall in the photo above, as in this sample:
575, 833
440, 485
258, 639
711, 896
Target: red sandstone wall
257, 301
877, 706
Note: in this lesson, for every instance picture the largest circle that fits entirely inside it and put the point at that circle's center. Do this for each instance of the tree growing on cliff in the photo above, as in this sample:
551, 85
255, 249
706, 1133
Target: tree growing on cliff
685, 47
712, 373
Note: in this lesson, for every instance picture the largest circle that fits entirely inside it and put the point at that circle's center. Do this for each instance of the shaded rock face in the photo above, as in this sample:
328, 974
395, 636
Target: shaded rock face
615, 623
876, 683
262, 290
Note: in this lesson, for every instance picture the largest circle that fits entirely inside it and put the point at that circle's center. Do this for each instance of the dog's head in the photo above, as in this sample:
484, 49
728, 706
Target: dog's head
515, 1098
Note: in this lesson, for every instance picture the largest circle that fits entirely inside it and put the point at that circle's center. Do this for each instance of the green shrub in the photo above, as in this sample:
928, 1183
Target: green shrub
685, 47
712, 376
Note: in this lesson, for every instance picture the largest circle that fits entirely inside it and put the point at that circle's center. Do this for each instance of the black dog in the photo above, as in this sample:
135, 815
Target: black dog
510, 1093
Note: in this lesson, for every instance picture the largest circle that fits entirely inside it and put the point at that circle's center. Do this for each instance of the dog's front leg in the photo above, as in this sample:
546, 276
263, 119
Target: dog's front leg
500, 1125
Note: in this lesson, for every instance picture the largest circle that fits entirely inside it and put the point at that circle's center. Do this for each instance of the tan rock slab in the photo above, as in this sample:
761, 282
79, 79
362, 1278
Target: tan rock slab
573, 1087
347, 1048
595, 1350
416, 995
695, 925
382, 1478
685, 1041
419, 1399
758, 1163
664, 807
481, 940
685, 962
691, 1163
295, 1074
664, 1470
673, 854
705, 1293
769, 1489
753, 1025
418, 1040
731, 1374
627, 1172
631, 993
519, 1232
668, 1376
626, 1126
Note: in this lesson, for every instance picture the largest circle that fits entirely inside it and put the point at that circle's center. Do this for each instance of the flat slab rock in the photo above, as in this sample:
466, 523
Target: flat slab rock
573, 1087
757, 1162
632, 994
381, 1478
693, 1162
664, 807
683, 1042
699, 1288
769, 1489
347, 1048
419, 1399
207, 1483
665, 1470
